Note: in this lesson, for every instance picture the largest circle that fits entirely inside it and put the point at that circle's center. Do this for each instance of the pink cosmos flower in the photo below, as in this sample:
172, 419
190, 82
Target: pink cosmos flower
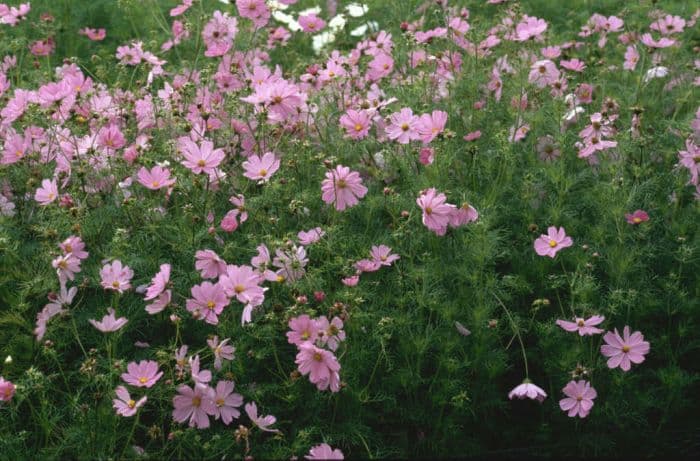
241, 282
47, 193
209, 301
181, 8
66, 266
431, 125
342, 187
579, 398
324, 451
124, 404
543, 73
262, 422
226, 402
356, 123
311, 236
109, 322
201, 158
367, 265
255, 10
54, 308
403, 126
158, 282
303, 329
583, 327
95, 35
530, 27
200, 377
156, 178
160, 303
218, 34
463, 215
351, 281
261, 169
473, 136
663, 42
436, 213
75, 246
290, 263
624, 350
194, 404
528, 390
331, 333
209, 264
221, 350
311, 23
668, 25
116, 277
142, 374
7, 390
555, 239
318, 363
426, 156
575, 65
382, 255
639, 216
631, 58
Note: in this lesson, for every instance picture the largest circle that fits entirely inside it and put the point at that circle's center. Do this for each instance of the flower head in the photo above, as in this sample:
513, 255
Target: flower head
324, 451
639, 216
262, 422
7, 390
142, 374
195, 404
124, 404
261, 168
116, 276
528, 390
579, 398
583, 327
342, 187
555, 239
624, 350
109, 322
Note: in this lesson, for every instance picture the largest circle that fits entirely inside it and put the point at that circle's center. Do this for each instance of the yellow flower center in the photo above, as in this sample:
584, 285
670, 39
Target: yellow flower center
211, 305
552, 243
382, 258
219, 402
69, 249
196, 401
358, 127
115, 284
19, 154
428, 210
580, 323
404, 126
262, 172
62, 264
317, 357
342, 184
625, 348
305, 335
143, 380
155, 184
51, 196
239, 289
201, 163
637, 219
280, 278
131, 403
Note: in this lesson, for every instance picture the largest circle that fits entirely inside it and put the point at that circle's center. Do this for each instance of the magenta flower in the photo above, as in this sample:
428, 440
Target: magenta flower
209, 301
584, 327
555, 239
209, 264
7, 390
356, 124
342, 187
262, 422
318, 363
201, 158
124, 404
47, 193
142, 374
639, 216
403, 126
109, 323
116, 277
304, 330
226, 402
624, 350
156, 178
324, 451
222, 351
194, 404
261, 169
436, 213
579, 398
528, 390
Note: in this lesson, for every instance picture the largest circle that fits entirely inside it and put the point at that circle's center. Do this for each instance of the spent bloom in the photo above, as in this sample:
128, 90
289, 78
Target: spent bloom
555, 239
583, 326
116, 276
528, 390
342, 187
624, 350
142, 374
262, 422
124, 404
579, 398
109, 322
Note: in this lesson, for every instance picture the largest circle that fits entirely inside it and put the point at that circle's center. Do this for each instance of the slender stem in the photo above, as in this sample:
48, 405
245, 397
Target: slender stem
131, 434
517, 332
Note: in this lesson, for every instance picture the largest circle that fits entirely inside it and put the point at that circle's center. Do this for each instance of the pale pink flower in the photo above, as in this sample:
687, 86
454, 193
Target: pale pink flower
324, 451
311, 236
342, 188
583, 326
194, 404
160, 303
156, 178
201, 158
95, 35
639, 216
158, 282
574, 64
579, 398
221, 350
530, 27
555, 239
218, 34
463, 215
436, 212
318, 363
181, 8
226, 402
262, 422
403, 126
311, 23
66, 266
124, 404
351, 281
142, 374
543, 73
290, 263
473, 136
200, 377
47, 193
241, 282
356, 123
528, 390
109, 322
261, 169
115, 276
382, 255
624, 350
209, 264
331, 333
663, 42
75, 246
207, 302
431, 125
631, 58
303, 329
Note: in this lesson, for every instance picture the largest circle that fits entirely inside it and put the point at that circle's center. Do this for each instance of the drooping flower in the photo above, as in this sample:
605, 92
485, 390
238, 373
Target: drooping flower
528, 390
142, 374
124, 404
639, 216
624, 350
194, 404
342, 187
323, 452
579, 398
158, 282
262, 422
116, 276
109, 322
583, 327
555, 239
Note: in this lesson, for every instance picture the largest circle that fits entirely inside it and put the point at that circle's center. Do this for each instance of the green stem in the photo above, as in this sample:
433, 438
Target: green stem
517, 332
131, 434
